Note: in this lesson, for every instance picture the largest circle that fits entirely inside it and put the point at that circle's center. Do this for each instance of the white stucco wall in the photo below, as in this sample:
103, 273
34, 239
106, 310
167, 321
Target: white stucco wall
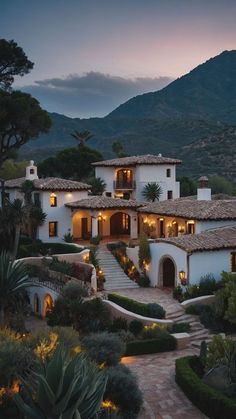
60, 213
142, 175
41, 292
214, 262
158, 252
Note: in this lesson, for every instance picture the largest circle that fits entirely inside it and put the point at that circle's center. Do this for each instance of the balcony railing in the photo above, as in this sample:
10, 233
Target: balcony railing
121, 185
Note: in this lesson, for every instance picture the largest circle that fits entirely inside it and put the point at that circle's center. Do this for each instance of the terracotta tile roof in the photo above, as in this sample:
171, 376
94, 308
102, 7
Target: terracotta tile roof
104, 202
193, 209
136, 160
217, 239
49, 184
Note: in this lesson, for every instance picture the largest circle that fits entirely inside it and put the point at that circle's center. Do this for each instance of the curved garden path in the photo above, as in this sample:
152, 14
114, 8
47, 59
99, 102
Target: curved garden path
163, 399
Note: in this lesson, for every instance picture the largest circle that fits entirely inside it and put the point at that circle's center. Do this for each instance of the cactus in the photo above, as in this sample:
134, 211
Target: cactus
63, 388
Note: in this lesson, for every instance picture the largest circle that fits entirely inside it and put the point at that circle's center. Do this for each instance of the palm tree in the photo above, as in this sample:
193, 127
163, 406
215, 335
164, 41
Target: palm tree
82, 137
152, 192
36, 218
13, 279
63, 387
17, 215
98, 186
27, 188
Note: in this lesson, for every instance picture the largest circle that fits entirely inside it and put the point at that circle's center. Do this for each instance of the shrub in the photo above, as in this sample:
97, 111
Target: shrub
122, 389
207, 285
144, 253
211, 402
136, 327
178, 293
93, 316
61, 313
153, 331
126, 336
68, 238
194, 309
143, 280
147, 310
67, 336
95, 240
180, 327
74, 290
156, 311
119, 324
165, 342
104, 348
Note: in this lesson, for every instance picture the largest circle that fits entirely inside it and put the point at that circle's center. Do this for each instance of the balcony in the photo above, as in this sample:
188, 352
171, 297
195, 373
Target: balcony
122, 185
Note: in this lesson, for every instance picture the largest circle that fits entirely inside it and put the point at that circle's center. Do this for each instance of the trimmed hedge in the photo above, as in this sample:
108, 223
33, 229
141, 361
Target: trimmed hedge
26, 250
163, 343
147, 310
210, 401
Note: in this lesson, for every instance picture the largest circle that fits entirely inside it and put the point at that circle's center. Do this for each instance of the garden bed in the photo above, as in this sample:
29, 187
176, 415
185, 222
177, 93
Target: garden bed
152, 310
211, 402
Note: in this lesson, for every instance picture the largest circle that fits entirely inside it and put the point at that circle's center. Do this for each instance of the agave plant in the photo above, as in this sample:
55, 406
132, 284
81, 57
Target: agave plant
152, 192
63, 388
13, 279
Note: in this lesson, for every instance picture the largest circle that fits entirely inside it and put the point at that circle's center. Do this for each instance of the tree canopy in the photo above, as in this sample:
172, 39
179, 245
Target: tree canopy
73, 163
21, 117
13, 62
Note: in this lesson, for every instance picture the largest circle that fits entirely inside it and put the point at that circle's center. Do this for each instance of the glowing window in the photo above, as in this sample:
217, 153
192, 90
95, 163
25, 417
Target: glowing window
53, 229
53, 200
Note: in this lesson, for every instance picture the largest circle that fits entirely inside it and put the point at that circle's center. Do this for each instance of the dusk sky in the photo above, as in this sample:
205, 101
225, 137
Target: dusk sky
92, 55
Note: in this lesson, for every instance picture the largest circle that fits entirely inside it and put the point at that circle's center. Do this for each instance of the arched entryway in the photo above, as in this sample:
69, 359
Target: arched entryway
47, 305
168, 272
119, 224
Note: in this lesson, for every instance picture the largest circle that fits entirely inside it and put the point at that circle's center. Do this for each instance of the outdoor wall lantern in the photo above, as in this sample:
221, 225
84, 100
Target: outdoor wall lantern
182, 277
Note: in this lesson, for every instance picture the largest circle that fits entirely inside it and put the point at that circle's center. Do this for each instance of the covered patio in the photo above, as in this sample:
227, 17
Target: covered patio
111, 218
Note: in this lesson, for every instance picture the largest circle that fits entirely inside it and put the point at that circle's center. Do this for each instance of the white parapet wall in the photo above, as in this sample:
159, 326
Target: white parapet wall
118, 311
203, 300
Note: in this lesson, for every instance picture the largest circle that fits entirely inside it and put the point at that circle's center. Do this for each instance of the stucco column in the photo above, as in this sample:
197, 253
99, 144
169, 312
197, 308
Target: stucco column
133, 226
94, 225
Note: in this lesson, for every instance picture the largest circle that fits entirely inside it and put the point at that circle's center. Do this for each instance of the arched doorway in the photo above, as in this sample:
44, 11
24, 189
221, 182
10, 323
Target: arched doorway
168, 272
119, 224
47, 304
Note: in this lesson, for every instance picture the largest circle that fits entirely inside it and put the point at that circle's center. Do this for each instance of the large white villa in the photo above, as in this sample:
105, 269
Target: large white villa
189, 237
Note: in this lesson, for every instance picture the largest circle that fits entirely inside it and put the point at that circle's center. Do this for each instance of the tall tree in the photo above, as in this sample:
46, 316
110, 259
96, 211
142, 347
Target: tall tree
81, 137
98, 186
13, 62
17, 217
152, 192
36, 218
118, 149
21, 119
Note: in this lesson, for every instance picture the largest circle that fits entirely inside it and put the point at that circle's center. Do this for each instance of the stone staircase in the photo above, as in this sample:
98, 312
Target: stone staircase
197, 333
114, 274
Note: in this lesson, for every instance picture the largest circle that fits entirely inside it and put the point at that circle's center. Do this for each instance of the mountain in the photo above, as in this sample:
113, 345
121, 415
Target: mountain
197, 106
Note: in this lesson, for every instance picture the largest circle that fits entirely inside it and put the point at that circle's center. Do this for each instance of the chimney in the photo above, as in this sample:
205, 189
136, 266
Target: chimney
203, 192
31, 171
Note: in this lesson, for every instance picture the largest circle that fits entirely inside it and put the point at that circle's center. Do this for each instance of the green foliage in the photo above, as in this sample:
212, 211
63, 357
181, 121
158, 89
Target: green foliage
61, 314
73, 163
188, 186
136, 327
66, 336
207, 286
95, 240
203, 353
12, 169
142, 280
163, 343
194, 309
144, 254
13, 280
118, 149
73, 290
104, 348
68, 238
182, 327
98, 185
27, 120
15, 358
220, 351
122, 389
209, 401
63, 387
118, 324
82, 137
219, 184
178, 293
93, 316
147, 310
154, 331
47, 249
152, 192
13, 62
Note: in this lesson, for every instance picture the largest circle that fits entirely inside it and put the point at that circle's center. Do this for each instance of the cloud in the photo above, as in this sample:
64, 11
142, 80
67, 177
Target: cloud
90, 94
